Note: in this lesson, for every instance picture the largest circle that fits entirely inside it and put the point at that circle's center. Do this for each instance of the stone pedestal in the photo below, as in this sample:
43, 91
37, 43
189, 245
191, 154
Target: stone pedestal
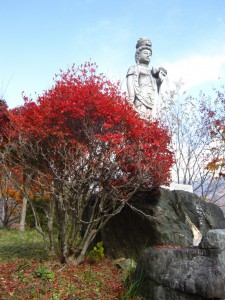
181, 187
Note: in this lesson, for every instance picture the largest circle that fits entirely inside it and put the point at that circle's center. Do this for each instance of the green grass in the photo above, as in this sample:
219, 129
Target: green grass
15, 244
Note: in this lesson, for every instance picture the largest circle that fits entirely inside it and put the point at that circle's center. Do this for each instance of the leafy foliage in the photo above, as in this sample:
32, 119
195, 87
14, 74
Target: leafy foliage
97, 253
214, 121
45, 274
4, 118
10, 200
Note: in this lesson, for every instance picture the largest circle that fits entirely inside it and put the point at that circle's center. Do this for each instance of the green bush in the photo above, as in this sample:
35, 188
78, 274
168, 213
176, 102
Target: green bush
97, 253
45, 274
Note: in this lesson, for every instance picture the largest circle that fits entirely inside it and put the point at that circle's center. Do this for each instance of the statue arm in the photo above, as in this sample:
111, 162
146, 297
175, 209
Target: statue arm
162, 74
159, 74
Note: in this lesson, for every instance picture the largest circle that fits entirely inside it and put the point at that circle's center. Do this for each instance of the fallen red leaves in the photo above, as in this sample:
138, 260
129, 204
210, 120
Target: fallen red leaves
173, 247
101, 280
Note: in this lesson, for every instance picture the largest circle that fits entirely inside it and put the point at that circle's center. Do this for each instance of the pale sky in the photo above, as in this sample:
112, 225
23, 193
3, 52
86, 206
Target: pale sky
39, 37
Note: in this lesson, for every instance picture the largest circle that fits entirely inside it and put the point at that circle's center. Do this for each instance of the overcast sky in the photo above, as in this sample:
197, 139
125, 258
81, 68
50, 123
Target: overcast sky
39, 37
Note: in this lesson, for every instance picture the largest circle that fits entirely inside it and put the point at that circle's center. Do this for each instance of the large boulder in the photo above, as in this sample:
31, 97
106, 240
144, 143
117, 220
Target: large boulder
160, 217
184, 273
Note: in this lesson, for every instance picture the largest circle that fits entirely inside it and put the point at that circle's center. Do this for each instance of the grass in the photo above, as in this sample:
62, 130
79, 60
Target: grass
26, 272
15, 244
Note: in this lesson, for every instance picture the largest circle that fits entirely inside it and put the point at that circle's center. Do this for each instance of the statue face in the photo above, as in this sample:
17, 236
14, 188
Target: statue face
144, 56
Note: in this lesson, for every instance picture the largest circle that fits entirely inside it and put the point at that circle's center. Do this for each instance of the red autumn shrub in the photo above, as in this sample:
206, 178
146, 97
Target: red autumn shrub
89, 141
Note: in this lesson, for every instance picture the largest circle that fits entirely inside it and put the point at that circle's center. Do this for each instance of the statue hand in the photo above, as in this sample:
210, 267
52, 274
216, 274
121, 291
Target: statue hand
162, 74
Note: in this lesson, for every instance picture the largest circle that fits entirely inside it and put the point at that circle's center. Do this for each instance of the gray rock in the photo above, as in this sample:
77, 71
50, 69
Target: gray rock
160, 217
214, 239
181, 274
128, 267
126, 264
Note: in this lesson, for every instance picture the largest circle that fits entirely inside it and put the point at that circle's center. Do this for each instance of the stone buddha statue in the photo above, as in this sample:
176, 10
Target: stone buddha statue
143, 84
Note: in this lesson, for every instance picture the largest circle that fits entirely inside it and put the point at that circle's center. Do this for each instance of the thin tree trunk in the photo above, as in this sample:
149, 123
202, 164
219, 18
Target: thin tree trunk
50, 226
80, 258
62, 237
23, 214
62, 219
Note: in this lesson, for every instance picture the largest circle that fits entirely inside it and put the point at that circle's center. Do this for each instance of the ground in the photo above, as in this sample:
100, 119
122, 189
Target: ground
26, 272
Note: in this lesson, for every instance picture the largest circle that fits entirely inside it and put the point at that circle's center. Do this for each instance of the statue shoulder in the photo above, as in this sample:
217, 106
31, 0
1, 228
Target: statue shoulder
132, 70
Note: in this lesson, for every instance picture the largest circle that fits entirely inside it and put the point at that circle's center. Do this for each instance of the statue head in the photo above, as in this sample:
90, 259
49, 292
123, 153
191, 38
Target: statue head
142, 44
